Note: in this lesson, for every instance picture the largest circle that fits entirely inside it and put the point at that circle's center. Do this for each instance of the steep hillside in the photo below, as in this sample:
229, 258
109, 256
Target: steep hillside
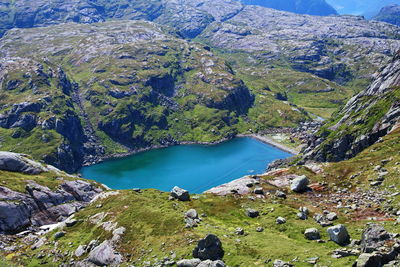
366, 118
311, 7
389, 14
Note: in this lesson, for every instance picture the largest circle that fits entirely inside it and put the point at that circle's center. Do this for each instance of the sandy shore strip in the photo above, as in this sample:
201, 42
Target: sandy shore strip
271, 142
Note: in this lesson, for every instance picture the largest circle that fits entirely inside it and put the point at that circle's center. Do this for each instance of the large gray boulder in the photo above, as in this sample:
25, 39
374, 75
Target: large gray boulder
339, 234
15, 162
209, 248
180, 194
299, 184
105, 255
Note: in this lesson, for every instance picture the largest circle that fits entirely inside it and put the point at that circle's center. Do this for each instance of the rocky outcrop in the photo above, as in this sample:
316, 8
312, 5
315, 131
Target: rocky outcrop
19, 163
39, 205
378, 248
366, 118
389, 14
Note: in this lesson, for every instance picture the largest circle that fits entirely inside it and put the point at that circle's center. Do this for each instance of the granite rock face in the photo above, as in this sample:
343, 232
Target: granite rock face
19, 163
40, 206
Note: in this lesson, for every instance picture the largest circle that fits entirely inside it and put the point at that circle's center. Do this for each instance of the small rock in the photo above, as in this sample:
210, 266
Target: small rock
280, 194
71, 222
239, 231
252, 213
302, 216
259, 229
259, 191
331, 216
281, 263
280, 220
312, 234
59, 235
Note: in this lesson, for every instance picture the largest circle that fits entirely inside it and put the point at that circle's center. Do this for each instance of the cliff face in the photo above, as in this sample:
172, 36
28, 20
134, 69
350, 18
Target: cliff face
389, 14
366, 118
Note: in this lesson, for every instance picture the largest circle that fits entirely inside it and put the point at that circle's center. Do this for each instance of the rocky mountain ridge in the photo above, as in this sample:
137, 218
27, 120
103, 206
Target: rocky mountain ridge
366, 118
389, 14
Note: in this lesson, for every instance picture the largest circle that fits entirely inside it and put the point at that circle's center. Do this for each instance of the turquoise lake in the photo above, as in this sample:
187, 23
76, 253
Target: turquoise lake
196, 168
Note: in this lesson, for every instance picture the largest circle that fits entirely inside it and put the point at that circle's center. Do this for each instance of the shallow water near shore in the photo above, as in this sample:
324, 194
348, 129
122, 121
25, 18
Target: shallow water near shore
196, 168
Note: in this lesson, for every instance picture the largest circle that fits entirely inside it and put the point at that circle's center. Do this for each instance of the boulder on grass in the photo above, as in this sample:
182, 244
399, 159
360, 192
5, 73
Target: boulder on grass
180, 194
339, 234
209, 248
299, 184
312, 234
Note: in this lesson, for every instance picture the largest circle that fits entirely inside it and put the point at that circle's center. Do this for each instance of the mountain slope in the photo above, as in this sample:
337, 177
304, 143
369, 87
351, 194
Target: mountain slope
368, 8
389, 14
366, 118
311, 7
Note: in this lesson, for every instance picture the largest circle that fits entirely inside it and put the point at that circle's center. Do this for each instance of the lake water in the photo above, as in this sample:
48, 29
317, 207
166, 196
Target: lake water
196, 168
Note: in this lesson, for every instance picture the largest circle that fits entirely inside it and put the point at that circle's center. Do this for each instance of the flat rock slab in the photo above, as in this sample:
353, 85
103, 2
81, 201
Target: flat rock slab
238, 186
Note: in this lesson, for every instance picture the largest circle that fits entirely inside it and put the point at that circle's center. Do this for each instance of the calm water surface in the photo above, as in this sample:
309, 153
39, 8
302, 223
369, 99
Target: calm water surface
193, 167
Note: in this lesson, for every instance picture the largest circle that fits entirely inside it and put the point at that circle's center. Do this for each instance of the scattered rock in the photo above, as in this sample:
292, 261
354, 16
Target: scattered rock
281, 263
188, 263
280, 220
239, 231
80, 251
312, 234
259, 191
259, 229
331, 216
192, 218
180, 194
299, 184
59, 235
280, 194
252, 213
105, 255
